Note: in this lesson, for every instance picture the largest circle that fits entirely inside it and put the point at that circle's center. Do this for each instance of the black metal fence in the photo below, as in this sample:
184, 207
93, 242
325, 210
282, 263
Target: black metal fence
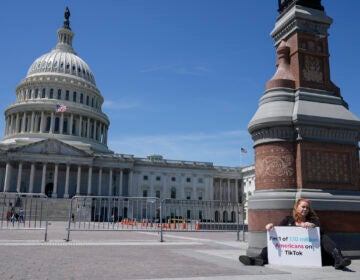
24, 211
116, 213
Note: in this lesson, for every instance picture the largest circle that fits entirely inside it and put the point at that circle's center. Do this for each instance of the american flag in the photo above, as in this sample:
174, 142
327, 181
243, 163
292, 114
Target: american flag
59, 108
243, 150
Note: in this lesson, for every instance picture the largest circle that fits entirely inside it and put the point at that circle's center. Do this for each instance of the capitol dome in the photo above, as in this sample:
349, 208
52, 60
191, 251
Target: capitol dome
60, 62
58, 99
62, 59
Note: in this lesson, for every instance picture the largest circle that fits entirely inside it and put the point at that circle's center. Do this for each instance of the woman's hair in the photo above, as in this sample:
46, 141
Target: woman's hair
310, 216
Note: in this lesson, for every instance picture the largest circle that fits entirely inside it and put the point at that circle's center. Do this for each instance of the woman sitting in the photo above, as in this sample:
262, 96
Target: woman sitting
302, 216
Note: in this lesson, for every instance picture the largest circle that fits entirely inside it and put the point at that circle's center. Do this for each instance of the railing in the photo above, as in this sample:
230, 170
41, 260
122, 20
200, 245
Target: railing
24, 211
116, 213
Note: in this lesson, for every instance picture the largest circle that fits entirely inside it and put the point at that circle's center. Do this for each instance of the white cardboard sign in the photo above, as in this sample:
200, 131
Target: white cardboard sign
295, 246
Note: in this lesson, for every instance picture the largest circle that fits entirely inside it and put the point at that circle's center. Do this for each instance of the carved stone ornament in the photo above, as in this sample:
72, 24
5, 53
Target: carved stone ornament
312, 71
275, 166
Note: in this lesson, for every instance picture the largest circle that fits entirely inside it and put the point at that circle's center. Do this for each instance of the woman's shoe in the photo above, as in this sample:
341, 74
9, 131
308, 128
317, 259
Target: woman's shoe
246, 260
340, 261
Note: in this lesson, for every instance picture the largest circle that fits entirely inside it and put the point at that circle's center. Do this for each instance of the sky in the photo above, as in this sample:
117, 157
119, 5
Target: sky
180, 78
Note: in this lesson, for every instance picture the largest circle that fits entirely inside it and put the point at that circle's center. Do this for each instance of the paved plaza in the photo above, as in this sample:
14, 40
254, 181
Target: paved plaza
140, 255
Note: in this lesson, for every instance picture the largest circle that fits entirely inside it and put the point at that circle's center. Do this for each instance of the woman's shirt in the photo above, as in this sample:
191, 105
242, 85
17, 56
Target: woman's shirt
289, 221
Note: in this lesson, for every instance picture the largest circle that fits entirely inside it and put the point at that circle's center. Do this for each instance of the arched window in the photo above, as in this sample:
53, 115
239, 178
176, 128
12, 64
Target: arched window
233, 217
225, 217
59, 94
51, 93
43, 93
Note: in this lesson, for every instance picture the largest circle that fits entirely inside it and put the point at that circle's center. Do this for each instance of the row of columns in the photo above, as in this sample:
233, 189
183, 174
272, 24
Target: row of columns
13, 125
224, 188
8, 171
31, 94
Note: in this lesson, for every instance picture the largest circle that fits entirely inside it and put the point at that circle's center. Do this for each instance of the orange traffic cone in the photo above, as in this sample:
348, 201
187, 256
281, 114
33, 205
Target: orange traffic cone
143, 223
174, 225
183, 224
168, 224
134, 222
197, 226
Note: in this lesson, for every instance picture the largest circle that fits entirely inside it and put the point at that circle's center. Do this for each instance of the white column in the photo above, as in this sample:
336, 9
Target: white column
121, 182
52, 122
36, 118
228, 189
32, 175
130, 187
66, 193
7, 121
221, 189
23, 123
152, 178
42, 122
18, 185
237, 190
110, 182
193, 183
61, 123
71, 124
43, 178
17, 123
32, 121
7, 177
95, 130
80, 126
211, 188
54, 194
88, 128
99, 183
12, 125
89, 180
167, 178
78, 181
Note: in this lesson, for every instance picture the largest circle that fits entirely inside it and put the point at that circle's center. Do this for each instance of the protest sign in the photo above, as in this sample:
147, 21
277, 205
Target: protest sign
295, 246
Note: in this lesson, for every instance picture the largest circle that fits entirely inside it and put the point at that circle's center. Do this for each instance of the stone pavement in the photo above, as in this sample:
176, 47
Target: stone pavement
140, 255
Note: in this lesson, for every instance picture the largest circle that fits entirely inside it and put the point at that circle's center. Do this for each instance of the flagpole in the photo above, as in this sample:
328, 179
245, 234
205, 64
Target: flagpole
240, 157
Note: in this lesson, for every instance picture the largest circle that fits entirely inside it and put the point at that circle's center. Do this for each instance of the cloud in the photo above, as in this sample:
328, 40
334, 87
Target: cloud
120, 104
220, 148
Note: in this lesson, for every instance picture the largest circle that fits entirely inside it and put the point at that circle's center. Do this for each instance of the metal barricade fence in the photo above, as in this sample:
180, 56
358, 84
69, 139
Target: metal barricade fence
201, 215
24, 211
113, 213
117, 213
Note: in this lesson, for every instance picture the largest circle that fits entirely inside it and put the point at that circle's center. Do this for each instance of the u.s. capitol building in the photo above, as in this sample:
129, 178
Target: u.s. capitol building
56, 135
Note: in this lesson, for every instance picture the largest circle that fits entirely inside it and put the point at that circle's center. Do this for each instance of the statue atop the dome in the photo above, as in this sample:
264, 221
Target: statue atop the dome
66, 21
